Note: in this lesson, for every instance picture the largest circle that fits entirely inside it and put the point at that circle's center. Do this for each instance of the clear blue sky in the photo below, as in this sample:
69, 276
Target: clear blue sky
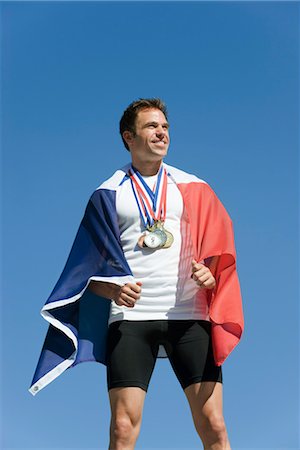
229, 73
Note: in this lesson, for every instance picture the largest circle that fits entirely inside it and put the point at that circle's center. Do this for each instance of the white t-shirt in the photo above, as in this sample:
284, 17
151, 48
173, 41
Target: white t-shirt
168, 291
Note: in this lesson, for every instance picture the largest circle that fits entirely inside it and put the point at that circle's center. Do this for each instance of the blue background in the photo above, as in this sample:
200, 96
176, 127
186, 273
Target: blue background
229, 73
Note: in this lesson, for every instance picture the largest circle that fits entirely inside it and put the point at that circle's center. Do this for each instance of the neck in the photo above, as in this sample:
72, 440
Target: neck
147, 168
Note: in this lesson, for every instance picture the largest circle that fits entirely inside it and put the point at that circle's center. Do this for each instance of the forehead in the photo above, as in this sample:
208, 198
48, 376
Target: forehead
150, 115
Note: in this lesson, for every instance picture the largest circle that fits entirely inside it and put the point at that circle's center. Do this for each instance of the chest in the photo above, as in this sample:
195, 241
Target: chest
128, 211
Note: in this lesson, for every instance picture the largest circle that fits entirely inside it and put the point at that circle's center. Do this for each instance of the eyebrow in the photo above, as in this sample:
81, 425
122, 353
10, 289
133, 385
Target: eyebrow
165, 124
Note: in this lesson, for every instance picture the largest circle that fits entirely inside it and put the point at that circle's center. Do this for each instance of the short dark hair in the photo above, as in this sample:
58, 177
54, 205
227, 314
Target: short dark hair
127, 122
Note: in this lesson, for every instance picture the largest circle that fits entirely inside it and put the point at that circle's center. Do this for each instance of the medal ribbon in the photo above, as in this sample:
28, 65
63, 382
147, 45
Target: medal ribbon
151, 204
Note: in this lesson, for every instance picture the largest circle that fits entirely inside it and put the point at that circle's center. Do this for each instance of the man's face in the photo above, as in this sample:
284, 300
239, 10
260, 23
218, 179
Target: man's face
151, 140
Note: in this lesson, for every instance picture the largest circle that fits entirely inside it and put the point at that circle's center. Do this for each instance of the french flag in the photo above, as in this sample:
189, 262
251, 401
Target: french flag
78, 319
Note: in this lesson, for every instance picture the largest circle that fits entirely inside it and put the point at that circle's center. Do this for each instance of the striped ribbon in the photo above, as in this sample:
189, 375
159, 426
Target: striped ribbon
151, 203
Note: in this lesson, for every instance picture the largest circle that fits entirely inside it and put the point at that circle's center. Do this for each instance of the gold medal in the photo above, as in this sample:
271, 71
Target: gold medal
170, 239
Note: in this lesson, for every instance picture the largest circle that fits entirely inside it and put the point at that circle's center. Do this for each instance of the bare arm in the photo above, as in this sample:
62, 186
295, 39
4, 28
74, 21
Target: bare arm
103, 289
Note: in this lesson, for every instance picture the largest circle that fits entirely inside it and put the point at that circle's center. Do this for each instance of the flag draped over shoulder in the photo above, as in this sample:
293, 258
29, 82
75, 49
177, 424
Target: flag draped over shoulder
78, 319
77, 329
212, 235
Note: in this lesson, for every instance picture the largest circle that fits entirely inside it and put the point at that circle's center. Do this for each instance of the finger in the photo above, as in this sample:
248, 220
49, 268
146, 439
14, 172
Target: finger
128, 300
134, 287
204, 277
194, 263
197, 266
200, 273
128, 293
127, 303
132, 290
210, 283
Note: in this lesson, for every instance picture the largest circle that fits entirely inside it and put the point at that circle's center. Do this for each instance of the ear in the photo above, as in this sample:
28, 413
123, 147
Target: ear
128, 137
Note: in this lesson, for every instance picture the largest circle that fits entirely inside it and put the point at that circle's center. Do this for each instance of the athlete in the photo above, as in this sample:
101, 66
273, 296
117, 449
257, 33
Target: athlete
167, 305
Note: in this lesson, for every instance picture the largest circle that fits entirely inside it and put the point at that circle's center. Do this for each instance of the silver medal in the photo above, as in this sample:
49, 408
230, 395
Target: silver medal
155, 239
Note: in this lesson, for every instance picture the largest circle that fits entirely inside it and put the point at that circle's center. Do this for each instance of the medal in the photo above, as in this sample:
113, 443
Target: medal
152, 216
170, 239
156, 237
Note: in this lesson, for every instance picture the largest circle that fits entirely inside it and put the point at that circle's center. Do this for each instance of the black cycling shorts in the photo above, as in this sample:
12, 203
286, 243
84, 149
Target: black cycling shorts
132, 350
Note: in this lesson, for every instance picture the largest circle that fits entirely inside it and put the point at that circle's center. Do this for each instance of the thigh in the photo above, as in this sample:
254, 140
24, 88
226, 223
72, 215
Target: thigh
131, 354
190, 352
127, 402
205, 400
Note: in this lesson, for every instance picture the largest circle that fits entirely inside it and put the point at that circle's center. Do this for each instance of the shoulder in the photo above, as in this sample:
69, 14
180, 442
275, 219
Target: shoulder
191, 185
182, 177
115, 180
107, 189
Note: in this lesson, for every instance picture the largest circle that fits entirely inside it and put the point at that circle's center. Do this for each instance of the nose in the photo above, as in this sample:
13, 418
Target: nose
160, 132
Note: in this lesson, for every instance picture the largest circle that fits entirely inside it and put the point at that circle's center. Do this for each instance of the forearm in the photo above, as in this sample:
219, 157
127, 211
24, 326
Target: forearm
104, 289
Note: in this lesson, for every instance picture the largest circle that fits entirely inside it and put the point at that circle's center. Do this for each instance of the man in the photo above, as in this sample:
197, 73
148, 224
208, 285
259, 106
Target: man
157, 242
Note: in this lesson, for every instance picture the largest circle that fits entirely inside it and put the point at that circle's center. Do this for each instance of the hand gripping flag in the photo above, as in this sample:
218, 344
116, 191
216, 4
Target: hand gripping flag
212, 235
78, 319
